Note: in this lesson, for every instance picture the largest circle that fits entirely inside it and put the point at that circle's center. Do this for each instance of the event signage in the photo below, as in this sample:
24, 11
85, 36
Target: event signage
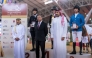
10, 12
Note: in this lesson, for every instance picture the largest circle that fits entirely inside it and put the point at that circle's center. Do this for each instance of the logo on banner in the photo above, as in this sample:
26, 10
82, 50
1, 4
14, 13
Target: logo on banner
5, 42
11, 33
71, 57
14, 8
5, 33
11, 37
5, 29
12, 26
5, 21
23, 21
11, 46
12, 42
13, 21
4, 38
5, 46
5, 26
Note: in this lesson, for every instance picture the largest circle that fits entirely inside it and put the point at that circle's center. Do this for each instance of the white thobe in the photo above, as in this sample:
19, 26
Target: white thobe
19, 46
57, 32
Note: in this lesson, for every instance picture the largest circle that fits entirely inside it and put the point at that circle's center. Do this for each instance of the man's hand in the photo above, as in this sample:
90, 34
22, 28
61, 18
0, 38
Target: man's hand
62, 38
76, 27
17, 39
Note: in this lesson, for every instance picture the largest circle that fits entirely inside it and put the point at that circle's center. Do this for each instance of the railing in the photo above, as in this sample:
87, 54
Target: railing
71, 3
88, 15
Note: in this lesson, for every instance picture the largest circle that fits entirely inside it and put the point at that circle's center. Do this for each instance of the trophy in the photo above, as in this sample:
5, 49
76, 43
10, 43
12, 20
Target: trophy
33, 23
74, 26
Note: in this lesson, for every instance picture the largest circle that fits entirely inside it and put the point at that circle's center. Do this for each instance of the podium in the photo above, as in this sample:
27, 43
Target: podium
49, 54
78, 56
32, 54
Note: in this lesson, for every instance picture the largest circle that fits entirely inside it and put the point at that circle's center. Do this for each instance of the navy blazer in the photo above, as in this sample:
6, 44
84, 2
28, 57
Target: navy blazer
32, 18
79, 20
41, 32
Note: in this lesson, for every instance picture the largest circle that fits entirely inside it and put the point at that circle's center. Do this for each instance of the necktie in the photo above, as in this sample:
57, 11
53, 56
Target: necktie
38, 24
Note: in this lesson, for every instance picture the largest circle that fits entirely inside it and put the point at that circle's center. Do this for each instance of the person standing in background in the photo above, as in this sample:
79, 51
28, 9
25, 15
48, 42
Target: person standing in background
32, 21
76, 24
41, 32
90, 42
50, 20
18, 33
85, 39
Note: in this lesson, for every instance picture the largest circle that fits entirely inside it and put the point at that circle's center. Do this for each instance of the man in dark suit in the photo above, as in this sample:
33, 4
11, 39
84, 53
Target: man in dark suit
41, 31
32, 21
50, 20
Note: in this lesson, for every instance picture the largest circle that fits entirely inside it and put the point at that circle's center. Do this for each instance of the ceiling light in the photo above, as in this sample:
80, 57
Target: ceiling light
47, 2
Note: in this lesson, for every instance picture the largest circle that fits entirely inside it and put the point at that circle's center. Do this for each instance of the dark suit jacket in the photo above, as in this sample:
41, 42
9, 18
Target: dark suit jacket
41, 32
32, 18
50, 19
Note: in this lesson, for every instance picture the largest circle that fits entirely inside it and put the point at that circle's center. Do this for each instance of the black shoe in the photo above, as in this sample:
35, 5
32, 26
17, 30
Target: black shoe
32, 50
52, 48
74, 52
81, 53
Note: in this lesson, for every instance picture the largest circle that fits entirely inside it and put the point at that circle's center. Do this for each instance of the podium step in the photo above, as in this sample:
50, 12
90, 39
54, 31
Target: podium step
50, 52
30, 54
78, 56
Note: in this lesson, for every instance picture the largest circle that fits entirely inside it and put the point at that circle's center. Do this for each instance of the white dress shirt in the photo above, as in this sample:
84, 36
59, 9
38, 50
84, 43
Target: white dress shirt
39, 23
76, 14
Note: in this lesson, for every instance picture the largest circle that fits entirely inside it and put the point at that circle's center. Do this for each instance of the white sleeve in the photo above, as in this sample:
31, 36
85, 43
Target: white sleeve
65, 28
22, 35
13, 33
52, 29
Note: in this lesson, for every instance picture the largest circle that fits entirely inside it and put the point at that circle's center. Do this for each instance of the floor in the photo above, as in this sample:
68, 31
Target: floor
48, 46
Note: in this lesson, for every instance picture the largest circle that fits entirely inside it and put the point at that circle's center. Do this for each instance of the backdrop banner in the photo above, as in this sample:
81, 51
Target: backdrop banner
9, 14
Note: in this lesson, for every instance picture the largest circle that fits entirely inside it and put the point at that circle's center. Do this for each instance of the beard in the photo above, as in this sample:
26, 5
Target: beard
56, 15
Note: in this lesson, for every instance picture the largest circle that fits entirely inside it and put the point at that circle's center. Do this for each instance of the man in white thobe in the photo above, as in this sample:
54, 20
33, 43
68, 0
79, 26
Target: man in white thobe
58, 35
18, 33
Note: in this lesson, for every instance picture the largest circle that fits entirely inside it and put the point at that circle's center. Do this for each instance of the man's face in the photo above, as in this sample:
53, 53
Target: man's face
53, 11
57, 13
39, 17
18, 22
34, 12
76, 10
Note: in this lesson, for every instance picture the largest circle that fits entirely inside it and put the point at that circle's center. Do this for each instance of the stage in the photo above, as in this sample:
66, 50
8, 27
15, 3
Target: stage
50, 52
